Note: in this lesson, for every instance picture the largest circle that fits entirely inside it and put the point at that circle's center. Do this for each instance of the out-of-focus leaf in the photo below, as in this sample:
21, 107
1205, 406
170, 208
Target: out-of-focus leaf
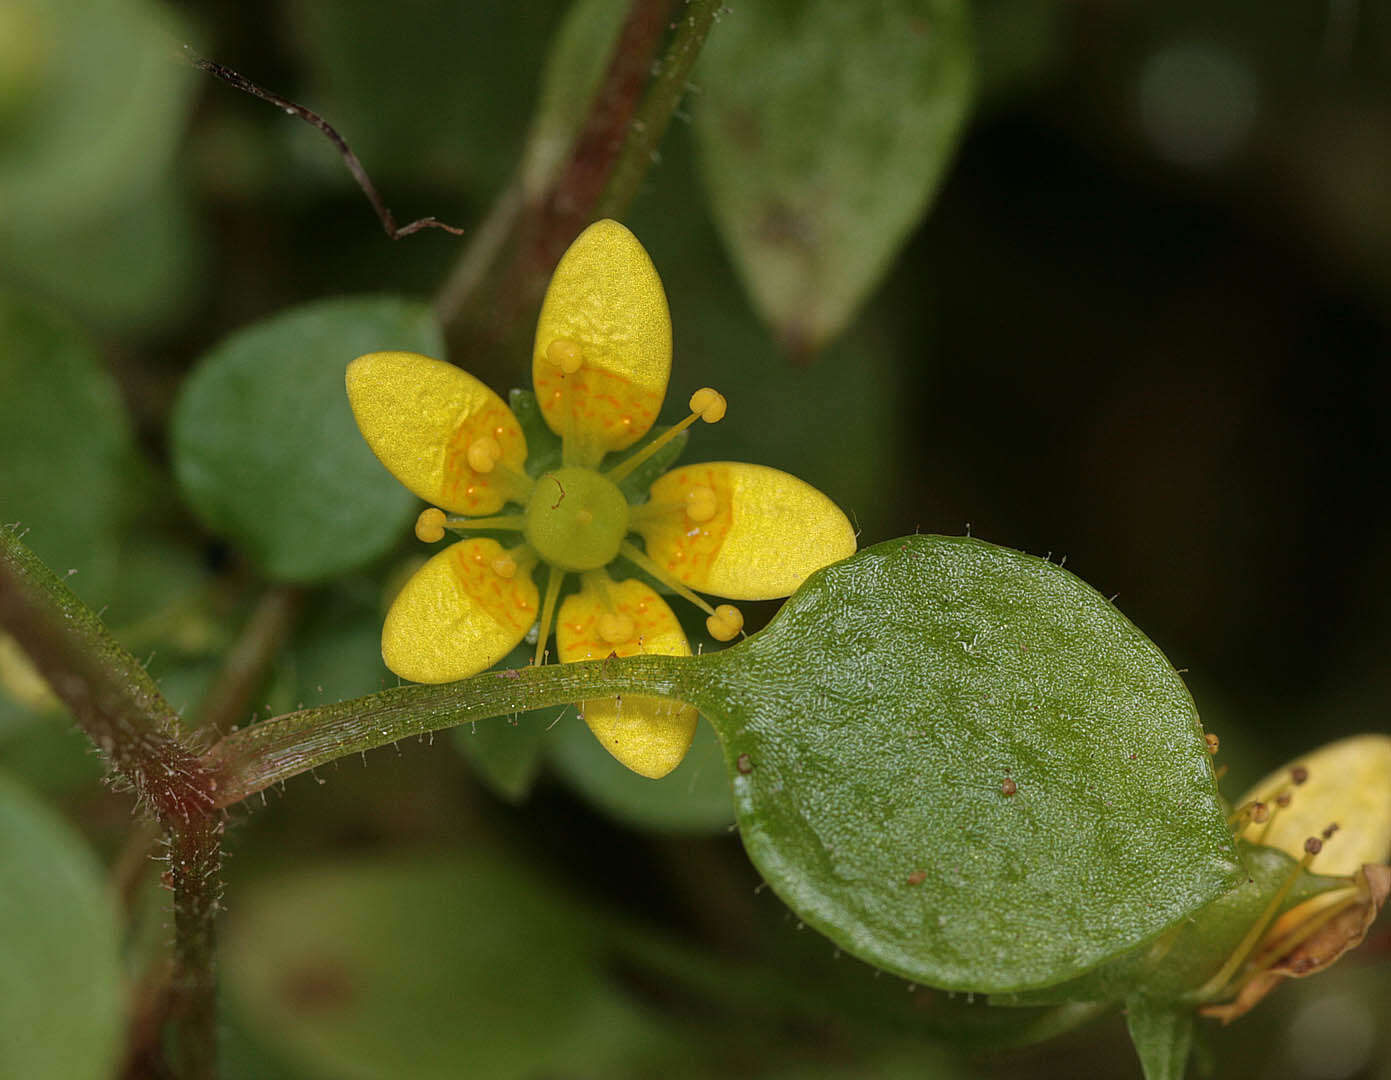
413, 970
60, 983
134, 267
825, 128
424, 91
92, 103
694, 797
66, 446
965, 766
578, 57
265, 446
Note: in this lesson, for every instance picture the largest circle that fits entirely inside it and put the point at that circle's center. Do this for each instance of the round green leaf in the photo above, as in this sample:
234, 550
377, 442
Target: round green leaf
265, 445
694, 797
825, 128
422, 969
60, 983
66, 447
964, 765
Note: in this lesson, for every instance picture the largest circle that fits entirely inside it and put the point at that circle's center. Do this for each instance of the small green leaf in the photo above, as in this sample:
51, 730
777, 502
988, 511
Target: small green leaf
92, 105
578, 57
421, 969
61, 1009
66, 446
265, 445
1163, 1036
964, 765
825, 128
694, 797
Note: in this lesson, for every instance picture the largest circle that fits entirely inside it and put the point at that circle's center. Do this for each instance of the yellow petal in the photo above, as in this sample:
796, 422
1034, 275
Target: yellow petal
607, 299
421, 416
649, 735
458, 615
767, 530
1348, 784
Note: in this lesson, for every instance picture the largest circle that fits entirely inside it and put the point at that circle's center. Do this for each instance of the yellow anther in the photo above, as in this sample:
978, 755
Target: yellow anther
616, 628
710, 404
483, 454
504, 566
565, 354
429, 526
701, 503
726, 623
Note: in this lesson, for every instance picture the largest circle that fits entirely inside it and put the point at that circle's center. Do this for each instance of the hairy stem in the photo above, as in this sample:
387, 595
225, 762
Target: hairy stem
114, 700
669, 86
271, 752
483, 308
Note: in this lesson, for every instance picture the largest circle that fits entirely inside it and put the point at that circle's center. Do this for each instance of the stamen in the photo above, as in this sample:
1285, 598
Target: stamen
565, 354
1212, 742
706, 404
1214, 986
429, 526
701, 503
616, 628
483, 454
501, 522
639, 559
709, 403
726, 623
553, 583
504, 566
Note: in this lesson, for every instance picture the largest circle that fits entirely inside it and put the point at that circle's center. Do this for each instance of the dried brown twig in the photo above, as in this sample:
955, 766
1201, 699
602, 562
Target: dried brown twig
388, 220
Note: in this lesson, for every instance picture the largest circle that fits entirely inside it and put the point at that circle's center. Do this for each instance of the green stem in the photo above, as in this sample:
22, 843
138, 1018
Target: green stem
114, 700
658, 107
275, 750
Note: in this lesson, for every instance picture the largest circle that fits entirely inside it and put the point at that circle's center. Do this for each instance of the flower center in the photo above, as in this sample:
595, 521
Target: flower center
576, 519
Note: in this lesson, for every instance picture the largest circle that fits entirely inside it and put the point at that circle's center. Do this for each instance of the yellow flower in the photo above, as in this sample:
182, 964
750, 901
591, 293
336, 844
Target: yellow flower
600, 367
1331, 810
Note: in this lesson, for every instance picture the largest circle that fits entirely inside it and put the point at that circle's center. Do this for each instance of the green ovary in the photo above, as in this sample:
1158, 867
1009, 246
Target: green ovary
576, 519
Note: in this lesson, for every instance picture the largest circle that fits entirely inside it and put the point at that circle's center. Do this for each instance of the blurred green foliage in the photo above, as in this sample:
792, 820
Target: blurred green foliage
1143, 322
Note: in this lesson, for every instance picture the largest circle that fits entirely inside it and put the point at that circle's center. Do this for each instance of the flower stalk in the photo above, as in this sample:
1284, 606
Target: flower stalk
275, 750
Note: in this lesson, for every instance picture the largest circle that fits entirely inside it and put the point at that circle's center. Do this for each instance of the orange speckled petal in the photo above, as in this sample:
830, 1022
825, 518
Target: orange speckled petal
457, 615
420, 416
649, 735
1349, 782
766, 533
607, 299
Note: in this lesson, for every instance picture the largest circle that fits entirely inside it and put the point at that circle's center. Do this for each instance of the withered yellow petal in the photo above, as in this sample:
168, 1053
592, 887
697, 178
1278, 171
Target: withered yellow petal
649, 735
457, 615
1348, 784
421, 417
767, 533
605, 315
